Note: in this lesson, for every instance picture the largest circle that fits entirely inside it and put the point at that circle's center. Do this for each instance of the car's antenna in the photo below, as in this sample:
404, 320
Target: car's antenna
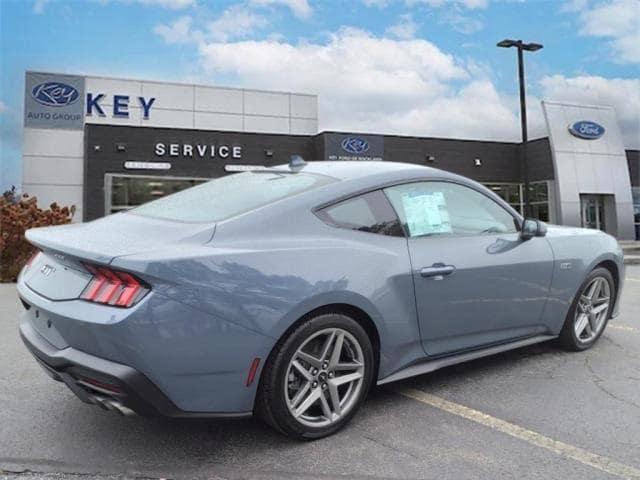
296, 162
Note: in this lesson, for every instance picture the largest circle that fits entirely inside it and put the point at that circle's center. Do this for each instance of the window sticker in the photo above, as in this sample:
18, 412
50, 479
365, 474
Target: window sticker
426, 213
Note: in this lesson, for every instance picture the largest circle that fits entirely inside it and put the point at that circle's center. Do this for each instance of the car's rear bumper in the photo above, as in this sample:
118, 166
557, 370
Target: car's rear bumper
111, 385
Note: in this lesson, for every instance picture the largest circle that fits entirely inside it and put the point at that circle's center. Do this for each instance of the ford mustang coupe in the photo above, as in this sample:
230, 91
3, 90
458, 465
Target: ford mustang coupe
288, 292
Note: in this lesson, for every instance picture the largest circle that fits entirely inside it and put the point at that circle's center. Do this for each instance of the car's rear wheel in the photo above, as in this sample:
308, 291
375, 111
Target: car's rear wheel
590, 311
317, 377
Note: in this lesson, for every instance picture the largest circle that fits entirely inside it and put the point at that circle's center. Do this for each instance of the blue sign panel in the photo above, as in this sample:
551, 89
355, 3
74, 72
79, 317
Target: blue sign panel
586, 129
355, 145
53, 101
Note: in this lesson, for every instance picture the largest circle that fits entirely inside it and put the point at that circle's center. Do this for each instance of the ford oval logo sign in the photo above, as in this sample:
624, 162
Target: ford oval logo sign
586, 129
55, 94
355, 145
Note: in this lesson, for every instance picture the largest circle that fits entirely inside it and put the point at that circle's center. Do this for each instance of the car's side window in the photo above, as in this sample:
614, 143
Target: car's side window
444, 208
370, 212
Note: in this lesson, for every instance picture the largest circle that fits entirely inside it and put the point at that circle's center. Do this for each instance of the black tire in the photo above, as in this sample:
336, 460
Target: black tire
568, 338
271, 404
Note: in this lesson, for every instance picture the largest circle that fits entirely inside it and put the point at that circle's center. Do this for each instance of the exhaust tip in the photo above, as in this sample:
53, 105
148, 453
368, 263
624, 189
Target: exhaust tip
112, 405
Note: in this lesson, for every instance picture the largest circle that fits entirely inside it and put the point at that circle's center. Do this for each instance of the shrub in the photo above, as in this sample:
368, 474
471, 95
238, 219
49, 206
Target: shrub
17, 214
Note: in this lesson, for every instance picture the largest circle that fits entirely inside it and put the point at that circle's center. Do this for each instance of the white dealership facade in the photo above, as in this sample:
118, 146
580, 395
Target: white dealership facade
105, 144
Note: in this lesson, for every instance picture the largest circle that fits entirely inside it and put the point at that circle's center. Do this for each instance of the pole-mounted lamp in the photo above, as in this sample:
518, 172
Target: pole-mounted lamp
529, 47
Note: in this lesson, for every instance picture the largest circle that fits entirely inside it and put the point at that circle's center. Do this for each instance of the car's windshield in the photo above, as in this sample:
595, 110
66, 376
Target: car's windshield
229, 196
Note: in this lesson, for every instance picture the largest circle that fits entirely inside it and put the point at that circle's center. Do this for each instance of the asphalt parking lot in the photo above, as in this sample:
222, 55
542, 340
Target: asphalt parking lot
537, 412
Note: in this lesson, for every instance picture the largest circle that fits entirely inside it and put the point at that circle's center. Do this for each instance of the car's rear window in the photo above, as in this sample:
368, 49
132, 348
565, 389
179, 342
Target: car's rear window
229, 196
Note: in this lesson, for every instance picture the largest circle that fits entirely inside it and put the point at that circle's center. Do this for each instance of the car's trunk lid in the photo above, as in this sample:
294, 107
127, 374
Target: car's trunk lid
58, 274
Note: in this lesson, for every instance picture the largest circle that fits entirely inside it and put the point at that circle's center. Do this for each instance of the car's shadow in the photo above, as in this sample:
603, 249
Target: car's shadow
166, 446
225, 430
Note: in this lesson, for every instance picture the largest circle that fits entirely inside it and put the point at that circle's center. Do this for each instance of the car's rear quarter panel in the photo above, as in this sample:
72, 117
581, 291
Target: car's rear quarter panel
266, 270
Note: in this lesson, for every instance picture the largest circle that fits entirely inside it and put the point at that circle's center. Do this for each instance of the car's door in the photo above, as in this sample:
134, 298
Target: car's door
476, 281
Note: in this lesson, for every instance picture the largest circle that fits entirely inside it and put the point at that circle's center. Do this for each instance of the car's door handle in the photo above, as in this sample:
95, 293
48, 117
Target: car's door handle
437, 270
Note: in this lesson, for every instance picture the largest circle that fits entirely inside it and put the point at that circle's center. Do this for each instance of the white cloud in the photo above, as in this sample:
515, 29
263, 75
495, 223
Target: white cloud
455, 13
178, 31
622, 94
300, 8
170, 4
618, 20
236, 21
376, 3
405, 28
38, 6
399, 86
574, 5
470, 4
3, 108
462, 23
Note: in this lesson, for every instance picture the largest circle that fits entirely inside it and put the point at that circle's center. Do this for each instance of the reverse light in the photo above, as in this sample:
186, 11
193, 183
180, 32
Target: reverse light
113, 287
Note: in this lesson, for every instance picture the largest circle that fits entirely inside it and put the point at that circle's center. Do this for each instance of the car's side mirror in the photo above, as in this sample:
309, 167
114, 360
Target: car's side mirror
532, 228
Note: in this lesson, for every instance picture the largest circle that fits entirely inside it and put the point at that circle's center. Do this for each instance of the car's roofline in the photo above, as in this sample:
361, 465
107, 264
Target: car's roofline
351, 170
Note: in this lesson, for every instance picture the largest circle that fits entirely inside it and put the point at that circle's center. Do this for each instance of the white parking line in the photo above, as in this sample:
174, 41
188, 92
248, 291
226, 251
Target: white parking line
604, 464
632, 279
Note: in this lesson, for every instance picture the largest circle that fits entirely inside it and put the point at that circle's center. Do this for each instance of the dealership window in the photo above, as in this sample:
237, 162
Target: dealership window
513, 194
123, 192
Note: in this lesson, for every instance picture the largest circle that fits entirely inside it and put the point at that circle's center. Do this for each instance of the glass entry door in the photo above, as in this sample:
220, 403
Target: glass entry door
592, 208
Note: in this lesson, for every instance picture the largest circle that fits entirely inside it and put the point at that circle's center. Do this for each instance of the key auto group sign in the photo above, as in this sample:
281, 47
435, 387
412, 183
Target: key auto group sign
60, 101
54, 101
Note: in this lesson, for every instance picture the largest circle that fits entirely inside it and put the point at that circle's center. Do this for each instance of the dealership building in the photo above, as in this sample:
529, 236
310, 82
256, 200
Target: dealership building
107, 144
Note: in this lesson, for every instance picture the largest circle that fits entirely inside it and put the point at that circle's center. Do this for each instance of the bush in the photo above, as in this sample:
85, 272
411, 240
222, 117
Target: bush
17, 214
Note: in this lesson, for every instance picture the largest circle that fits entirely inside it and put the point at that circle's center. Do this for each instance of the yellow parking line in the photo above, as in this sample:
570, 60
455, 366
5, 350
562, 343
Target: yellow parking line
625, 328
599, 462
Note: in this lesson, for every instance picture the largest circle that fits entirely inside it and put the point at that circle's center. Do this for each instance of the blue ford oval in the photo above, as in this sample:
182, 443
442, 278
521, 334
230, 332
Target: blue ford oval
587, 130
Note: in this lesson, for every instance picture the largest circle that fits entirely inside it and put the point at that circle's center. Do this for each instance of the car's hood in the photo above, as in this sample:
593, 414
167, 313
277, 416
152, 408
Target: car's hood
116, 235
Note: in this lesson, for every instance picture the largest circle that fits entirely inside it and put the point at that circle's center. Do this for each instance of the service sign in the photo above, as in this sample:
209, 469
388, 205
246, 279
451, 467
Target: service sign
54, 101
586, 130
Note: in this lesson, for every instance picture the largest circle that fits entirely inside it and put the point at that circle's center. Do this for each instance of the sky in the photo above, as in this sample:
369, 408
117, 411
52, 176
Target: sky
408, 67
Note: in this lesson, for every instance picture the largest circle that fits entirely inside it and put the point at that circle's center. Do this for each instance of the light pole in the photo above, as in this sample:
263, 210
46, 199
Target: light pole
529, 47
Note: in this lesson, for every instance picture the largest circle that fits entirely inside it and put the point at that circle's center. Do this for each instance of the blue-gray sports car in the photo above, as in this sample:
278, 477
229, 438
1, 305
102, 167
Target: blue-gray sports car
288, 292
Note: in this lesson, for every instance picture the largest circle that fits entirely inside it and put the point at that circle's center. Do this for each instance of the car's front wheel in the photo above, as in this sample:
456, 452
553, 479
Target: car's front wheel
589, 312
317, 377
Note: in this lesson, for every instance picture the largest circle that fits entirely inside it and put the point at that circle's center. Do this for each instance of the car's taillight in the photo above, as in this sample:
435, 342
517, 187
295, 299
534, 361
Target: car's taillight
113, 287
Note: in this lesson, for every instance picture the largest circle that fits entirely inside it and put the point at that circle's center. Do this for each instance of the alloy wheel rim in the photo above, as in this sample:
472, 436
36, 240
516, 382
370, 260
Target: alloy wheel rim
324, 378
592, 310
